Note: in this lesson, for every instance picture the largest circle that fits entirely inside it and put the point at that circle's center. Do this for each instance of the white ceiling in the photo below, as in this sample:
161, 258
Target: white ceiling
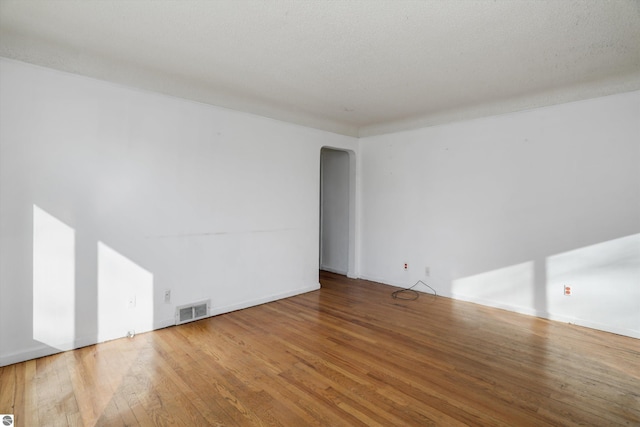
357, 67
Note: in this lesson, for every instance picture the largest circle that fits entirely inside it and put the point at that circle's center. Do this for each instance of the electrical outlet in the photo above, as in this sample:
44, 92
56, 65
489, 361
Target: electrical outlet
567, 290
406, 266
167, 296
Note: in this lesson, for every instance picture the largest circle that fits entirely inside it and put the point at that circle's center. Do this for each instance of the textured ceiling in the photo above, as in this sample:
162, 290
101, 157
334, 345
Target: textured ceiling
352, 67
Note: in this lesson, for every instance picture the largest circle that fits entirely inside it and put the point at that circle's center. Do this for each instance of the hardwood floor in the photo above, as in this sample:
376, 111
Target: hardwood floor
345, 355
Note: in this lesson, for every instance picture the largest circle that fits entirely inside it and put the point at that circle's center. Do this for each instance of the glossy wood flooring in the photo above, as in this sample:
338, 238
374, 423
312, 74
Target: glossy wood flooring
345, 355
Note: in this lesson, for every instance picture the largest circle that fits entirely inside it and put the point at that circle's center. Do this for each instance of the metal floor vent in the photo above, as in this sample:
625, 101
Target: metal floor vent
191, 312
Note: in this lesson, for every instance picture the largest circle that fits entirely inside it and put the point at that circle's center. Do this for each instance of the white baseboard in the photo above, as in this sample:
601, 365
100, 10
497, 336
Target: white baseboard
44, 350
632, 333
165, 323
263, 300
333, 270
382, 281
594, 325
551, 316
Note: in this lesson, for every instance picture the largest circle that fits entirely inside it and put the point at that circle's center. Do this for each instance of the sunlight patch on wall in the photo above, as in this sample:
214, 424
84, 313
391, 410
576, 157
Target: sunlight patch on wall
53, 281
511, 286
604, 280
125, 295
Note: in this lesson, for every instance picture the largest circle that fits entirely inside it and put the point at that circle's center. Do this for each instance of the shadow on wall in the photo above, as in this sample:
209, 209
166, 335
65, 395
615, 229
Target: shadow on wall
124, 289
604, 279
125, 295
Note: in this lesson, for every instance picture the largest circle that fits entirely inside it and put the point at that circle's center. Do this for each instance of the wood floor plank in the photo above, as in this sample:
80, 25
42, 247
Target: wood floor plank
345, 355
9, 396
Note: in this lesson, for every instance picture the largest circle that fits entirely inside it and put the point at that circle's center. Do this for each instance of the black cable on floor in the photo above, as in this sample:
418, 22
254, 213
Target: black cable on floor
414, 294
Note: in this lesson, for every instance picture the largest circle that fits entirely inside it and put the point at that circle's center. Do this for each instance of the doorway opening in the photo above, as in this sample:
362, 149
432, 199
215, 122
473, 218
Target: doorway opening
337, 211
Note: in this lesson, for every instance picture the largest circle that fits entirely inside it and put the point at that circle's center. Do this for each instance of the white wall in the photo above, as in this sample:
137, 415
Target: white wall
334, 209
506, 210
144, 193
151, 193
